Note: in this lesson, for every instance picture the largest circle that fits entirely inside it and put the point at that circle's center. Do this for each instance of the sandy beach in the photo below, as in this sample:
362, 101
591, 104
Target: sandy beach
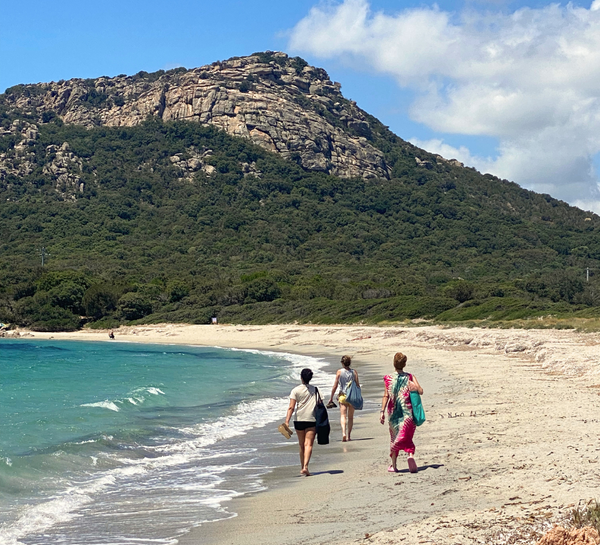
511, 441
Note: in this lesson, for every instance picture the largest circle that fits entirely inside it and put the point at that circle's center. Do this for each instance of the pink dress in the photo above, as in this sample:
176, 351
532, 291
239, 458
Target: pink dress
399, 410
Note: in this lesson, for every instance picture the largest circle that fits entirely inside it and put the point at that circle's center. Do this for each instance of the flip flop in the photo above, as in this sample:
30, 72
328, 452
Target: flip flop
285, 431
392, 470
412, 465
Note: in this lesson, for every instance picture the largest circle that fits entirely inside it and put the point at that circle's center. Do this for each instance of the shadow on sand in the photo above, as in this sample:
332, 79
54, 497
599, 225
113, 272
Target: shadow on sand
330, 472
422, 468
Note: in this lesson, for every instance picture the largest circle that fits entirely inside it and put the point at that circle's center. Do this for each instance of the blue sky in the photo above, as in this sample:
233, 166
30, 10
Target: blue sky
512, 88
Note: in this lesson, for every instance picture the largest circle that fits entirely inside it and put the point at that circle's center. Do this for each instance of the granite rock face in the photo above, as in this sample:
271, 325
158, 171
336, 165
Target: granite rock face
280, 103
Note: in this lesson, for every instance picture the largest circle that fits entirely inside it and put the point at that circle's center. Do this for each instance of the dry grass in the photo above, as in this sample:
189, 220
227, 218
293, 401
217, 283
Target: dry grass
586, 516
530, 533
583, 325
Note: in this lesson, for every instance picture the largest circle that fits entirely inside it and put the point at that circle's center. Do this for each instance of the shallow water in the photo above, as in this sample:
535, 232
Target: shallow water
119, 443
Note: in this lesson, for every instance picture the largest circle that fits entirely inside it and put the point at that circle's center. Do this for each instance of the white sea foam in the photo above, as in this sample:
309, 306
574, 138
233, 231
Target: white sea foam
135, 397
298, 362
62, 508
155, 391
103, 404
247, 415
40, 517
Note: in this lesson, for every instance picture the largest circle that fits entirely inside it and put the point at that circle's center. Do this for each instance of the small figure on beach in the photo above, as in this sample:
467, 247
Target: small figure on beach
343, 377
111, 335
303, 398
396, 402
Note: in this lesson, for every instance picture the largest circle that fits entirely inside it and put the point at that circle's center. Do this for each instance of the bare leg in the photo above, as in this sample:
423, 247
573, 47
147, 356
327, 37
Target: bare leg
349, 422
309, 439
394, 466
344, 421
301, 437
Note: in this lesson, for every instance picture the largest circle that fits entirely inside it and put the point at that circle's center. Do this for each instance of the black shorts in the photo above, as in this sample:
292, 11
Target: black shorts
301, 425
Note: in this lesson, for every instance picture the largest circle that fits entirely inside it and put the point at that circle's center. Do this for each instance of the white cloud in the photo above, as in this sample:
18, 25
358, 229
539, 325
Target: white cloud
589, 206
530, 78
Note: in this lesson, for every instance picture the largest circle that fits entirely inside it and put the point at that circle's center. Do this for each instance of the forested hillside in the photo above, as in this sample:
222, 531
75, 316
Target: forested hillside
179, 221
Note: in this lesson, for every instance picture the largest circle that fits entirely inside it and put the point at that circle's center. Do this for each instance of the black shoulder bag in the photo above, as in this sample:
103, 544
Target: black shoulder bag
322, 420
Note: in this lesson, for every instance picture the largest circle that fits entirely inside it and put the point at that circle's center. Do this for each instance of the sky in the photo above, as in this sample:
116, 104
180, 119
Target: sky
509, 87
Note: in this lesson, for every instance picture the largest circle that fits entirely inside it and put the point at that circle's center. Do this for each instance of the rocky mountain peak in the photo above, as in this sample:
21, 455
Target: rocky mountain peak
278, 102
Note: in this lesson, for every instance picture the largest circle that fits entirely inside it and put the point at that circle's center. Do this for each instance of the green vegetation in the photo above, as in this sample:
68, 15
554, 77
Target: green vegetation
252, 238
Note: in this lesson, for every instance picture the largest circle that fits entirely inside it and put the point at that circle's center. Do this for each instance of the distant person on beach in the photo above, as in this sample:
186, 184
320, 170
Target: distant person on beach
111, 335
303, 398
396, 402
342, 378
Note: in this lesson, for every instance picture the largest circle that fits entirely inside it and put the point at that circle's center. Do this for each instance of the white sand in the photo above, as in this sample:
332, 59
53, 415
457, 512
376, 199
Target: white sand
511, 438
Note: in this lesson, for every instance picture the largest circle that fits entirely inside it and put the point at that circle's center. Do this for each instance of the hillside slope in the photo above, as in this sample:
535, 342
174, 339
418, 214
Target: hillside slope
278, 103
176, 220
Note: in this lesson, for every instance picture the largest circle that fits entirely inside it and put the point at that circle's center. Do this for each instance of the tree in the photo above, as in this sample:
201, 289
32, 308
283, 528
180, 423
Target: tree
100, 300
133, 306
177, 290
461, 291
262, 289
68, 295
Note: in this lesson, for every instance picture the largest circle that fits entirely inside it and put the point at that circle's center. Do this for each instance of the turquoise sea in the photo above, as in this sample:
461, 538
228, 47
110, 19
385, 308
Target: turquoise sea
120, 443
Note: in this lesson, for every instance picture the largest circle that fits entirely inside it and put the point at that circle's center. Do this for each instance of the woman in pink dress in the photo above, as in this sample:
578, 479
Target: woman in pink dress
396, 402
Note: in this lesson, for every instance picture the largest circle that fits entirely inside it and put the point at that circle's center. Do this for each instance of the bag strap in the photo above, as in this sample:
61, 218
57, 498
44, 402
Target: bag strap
318, 394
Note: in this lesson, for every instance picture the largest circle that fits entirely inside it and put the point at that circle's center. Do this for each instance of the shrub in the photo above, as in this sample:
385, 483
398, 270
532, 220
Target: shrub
262, 289
177, 290
133, 306
100, 300
461, 291
68, 295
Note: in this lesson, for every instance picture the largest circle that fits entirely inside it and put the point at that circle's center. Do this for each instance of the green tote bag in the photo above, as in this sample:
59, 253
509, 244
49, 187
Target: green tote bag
417, 408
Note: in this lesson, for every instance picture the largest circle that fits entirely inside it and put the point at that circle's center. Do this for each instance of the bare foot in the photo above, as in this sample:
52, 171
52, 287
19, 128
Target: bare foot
344, 439
412, 465
305, 472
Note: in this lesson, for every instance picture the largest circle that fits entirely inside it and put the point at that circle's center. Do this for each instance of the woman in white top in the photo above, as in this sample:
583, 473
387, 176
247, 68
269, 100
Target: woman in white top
342, 378
303, 398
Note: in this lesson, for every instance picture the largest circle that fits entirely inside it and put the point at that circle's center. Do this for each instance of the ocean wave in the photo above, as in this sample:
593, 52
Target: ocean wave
248, 415
298, 362
43, 516
61, 509
103, 404
135, 397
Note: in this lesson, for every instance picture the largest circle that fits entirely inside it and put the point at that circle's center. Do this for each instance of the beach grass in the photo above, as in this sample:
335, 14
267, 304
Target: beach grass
589, 515
579, 324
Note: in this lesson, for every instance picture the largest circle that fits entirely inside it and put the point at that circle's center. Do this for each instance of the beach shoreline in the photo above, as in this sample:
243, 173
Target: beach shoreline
510, 439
